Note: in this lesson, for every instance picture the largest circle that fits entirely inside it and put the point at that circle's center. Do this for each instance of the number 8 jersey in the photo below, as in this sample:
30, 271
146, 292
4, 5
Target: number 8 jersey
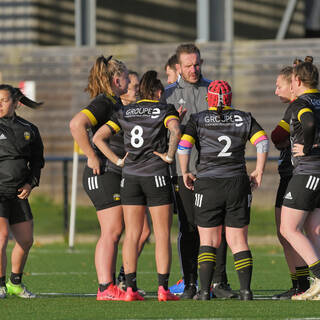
220, 140
144, 126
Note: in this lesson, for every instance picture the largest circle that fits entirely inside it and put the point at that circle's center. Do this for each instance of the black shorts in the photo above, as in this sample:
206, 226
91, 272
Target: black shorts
222, 201
15, 210
103, 190
303, 192
283, 184
150, 191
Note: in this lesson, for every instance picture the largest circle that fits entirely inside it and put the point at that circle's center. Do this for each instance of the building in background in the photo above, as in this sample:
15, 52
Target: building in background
52, 22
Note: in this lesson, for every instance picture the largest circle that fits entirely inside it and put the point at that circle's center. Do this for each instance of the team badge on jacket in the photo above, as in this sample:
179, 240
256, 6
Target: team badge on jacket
27, 135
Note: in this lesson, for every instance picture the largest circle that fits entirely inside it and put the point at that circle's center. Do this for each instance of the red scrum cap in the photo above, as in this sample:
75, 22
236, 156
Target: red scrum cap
219, 93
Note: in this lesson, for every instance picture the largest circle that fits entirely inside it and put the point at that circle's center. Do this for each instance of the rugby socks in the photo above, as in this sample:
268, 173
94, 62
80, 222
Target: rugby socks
131, 281
163, 280
206, 265
243, 264
16, 278
315, 268
3, 281
104, 286
294, 280
302, 276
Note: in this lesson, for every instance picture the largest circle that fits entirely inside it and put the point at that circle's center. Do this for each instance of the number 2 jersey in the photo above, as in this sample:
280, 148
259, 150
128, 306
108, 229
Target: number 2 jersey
220, 141
144, 126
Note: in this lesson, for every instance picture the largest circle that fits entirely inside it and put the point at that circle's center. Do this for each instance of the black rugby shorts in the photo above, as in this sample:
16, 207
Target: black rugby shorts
148, 191
222, 201
15, 210
103, 190
283, 184
303, 192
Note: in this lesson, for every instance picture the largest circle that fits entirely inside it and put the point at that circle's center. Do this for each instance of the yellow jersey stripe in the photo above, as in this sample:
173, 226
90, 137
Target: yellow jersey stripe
114, 126
257, 136
302, 111
188, 138
91, 117
284, 125
168, 118
224, 108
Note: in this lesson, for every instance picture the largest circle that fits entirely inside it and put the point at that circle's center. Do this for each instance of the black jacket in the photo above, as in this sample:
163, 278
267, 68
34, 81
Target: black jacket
21, 154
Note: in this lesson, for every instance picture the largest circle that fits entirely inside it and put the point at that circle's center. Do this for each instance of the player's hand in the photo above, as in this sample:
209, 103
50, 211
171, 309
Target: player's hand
164, 157
255, 179
189, 179
182, 112
297, 150
24, 191
120, 162
94, 164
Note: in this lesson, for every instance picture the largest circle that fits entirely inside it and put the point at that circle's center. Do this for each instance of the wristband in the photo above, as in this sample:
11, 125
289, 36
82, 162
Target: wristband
119, 162
169, 159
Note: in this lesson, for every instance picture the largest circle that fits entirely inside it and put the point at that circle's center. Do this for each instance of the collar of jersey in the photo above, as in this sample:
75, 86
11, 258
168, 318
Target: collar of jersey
310, 91
111, 97
147, 100
224, 108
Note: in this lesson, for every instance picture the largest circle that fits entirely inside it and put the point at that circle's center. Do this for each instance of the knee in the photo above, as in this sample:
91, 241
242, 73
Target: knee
313, 232
4, 236
145, 235
26, 244
284, 232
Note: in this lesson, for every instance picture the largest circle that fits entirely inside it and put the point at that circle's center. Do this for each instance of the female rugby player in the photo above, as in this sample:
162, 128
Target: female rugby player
146, 179
299, 271
222, 192
101, 178
21, 161
300, 209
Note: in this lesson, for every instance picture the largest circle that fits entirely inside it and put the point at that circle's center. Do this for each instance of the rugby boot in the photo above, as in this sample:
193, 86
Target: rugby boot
166, 295
3, 292
286, 295
111, 293
246, 294
313, 291
19, 290
189, 291
177, 288
202, 295
222, 290
132, 295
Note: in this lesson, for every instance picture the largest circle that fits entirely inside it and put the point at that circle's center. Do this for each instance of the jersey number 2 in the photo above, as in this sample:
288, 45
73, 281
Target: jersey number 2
223, 152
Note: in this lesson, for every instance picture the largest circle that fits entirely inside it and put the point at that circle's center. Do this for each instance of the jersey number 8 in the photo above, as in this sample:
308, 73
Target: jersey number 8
136, 137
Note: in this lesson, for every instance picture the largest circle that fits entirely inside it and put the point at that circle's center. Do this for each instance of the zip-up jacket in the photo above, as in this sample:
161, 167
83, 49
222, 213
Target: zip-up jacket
193, 97
21, 154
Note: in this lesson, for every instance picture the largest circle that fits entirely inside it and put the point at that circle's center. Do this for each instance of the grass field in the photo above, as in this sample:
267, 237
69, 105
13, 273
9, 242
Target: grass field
66, 284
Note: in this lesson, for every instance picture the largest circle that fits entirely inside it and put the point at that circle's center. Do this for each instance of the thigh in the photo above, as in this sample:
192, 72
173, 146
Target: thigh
209, 201
302, 192
283, 184
238, 202
157, 190
23, 231
103, 190
15, 210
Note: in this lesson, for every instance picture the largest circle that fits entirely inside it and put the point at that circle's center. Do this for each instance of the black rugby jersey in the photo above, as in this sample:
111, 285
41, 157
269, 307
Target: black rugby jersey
99, 112
221, 140
285, 167
144, 126
307, 102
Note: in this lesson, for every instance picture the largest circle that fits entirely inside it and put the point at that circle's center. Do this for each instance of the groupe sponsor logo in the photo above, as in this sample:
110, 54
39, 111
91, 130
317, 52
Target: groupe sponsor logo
143, 112
227, 119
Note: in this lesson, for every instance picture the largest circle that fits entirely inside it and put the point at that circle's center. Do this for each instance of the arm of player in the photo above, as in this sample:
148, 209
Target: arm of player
259, 139
100, 140
184, 149
175, 135
79, 126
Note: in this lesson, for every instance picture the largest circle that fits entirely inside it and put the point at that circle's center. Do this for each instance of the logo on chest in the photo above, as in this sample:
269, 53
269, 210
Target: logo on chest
26, 135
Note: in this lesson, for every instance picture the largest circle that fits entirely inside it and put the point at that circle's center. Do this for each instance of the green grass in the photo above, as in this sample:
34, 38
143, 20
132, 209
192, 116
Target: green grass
48, 217
54, 269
